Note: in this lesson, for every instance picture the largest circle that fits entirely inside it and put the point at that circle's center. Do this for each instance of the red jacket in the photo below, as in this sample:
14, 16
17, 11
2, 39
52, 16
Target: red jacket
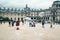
18, 23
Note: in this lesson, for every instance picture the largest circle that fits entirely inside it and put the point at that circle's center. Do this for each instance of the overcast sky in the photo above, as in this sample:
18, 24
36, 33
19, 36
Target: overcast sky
31, 3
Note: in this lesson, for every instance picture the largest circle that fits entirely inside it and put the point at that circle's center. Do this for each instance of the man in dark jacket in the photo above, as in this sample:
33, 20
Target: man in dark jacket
43, 22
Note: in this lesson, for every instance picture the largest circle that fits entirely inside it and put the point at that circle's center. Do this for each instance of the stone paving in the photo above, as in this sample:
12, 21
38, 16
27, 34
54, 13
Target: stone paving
30, 33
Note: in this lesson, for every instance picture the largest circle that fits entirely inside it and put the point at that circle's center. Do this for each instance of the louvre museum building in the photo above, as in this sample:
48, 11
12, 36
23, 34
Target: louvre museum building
52, 13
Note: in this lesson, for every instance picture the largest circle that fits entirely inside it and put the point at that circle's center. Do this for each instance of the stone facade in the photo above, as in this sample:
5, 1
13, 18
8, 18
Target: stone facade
53, 13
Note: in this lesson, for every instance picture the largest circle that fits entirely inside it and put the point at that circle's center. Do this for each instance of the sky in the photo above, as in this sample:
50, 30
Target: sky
42, 4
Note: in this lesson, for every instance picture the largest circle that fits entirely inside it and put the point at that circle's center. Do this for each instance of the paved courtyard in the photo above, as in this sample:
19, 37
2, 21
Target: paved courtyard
30, 33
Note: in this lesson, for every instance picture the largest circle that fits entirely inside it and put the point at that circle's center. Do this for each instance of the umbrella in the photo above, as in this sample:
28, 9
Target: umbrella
28, 18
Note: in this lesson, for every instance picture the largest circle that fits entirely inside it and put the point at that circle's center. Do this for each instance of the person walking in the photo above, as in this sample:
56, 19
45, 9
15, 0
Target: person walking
43, 22
18, 24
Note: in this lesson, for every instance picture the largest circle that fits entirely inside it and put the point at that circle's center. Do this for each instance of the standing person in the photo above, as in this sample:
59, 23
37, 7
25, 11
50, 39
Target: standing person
18, 24
30, 24
13, 23
22, 20
51, 24
33, 24
9, 23
43, 22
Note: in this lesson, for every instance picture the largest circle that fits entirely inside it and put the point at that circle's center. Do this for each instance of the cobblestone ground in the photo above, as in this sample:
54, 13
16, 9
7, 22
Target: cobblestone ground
30, 33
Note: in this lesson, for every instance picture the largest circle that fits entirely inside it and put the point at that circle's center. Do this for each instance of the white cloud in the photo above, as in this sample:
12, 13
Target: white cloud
31, 3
